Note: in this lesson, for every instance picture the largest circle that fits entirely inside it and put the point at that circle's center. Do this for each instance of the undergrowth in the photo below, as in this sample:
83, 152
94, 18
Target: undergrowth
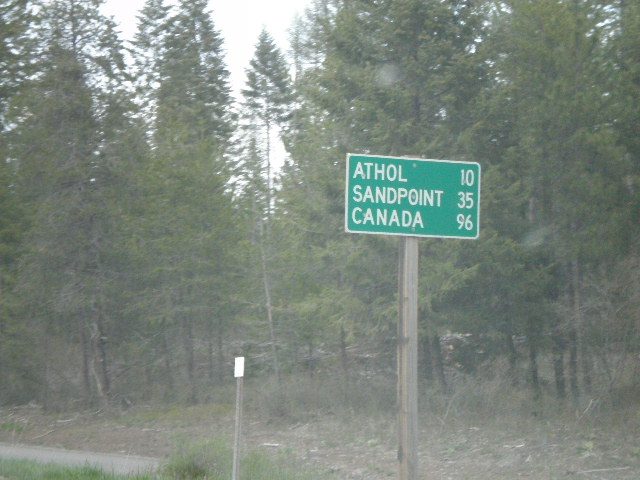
212, 460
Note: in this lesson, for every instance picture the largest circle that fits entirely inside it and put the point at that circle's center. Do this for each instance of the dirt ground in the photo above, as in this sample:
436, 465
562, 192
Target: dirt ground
357, 448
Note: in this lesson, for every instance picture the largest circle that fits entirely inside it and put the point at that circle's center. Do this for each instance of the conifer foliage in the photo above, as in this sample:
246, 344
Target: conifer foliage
152, 226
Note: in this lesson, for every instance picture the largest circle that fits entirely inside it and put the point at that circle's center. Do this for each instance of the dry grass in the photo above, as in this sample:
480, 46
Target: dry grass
347, 431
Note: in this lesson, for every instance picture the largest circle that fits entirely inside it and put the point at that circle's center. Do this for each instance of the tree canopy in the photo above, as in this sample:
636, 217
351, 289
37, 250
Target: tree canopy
152, 226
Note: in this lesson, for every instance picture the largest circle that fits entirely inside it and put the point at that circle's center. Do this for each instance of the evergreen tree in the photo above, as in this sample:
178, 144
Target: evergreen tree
14, 22
395, 78
186, 215
67, 174
556, 153
194, 88
149, 43
267, 106
268, 98
625, 85
402, 74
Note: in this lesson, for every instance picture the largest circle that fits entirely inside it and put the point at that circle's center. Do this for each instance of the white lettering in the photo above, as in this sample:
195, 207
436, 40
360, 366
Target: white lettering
368, 165
406, 218
357, 193
381, 171
400, 177
368, 195
392, 173
439, 197
387, 217
368, 217
392, 195
395, 220
417, 220
397, 196
355, 215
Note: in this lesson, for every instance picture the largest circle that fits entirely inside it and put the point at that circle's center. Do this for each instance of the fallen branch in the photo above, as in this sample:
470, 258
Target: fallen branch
42, 435
600, 470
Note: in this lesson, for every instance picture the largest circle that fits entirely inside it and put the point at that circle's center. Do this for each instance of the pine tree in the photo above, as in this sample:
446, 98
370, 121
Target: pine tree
401, 75
626, 82
268, 100
267, 105
555, 149
194, 88
67, 173
394, 78
14, 21
15, 17
148, 50
186, 217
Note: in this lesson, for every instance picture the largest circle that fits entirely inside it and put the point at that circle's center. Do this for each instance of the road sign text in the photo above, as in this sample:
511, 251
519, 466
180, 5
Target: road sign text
415, 197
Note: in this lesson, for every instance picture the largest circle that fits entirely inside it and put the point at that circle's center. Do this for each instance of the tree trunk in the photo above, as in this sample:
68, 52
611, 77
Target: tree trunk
559, 348
46, 401
86, 360
220, 350
344, 358
2, 342
438, 362
575, 330
166, 354
210, 362
586, 361
573, 364
532, 333
512, 355
215, 354
311, 367
269, 307
187, 338
98, 362
103, 366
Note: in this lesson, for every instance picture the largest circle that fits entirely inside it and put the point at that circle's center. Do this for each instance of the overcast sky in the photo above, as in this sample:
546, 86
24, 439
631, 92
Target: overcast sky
238, 21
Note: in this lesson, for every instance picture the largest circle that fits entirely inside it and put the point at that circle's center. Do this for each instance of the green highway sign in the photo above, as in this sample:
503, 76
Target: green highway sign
412, 196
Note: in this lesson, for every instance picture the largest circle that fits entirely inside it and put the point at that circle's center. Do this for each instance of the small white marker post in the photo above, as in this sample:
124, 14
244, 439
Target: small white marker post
238, 372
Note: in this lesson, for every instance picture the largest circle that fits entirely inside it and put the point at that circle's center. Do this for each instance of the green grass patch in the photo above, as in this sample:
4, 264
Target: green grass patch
27, 470
11, 427
212, 460
258, 466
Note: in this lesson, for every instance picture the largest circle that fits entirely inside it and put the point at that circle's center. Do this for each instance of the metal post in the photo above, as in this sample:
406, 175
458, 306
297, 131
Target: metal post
408, 359
239, 374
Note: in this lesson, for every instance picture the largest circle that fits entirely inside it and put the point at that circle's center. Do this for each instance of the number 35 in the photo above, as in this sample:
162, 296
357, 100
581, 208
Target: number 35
465, 200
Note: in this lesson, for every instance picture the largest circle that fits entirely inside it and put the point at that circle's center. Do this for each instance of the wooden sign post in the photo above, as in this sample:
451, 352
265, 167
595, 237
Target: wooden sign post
412, 198
408, 359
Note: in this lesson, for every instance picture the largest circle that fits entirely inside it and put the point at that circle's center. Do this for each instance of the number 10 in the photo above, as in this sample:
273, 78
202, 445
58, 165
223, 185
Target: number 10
467, 178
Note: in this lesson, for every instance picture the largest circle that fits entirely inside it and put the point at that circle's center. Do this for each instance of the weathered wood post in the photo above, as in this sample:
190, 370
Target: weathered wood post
408, 359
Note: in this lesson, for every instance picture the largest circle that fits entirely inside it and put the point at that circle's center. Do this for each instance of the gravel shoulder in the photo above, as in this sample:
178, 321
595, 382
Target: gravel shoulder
108, 462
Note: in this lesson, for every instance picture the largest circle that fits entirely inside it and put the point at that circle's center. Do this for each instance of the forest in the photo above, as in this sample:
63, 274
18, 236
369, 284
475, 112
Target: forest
153, 226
